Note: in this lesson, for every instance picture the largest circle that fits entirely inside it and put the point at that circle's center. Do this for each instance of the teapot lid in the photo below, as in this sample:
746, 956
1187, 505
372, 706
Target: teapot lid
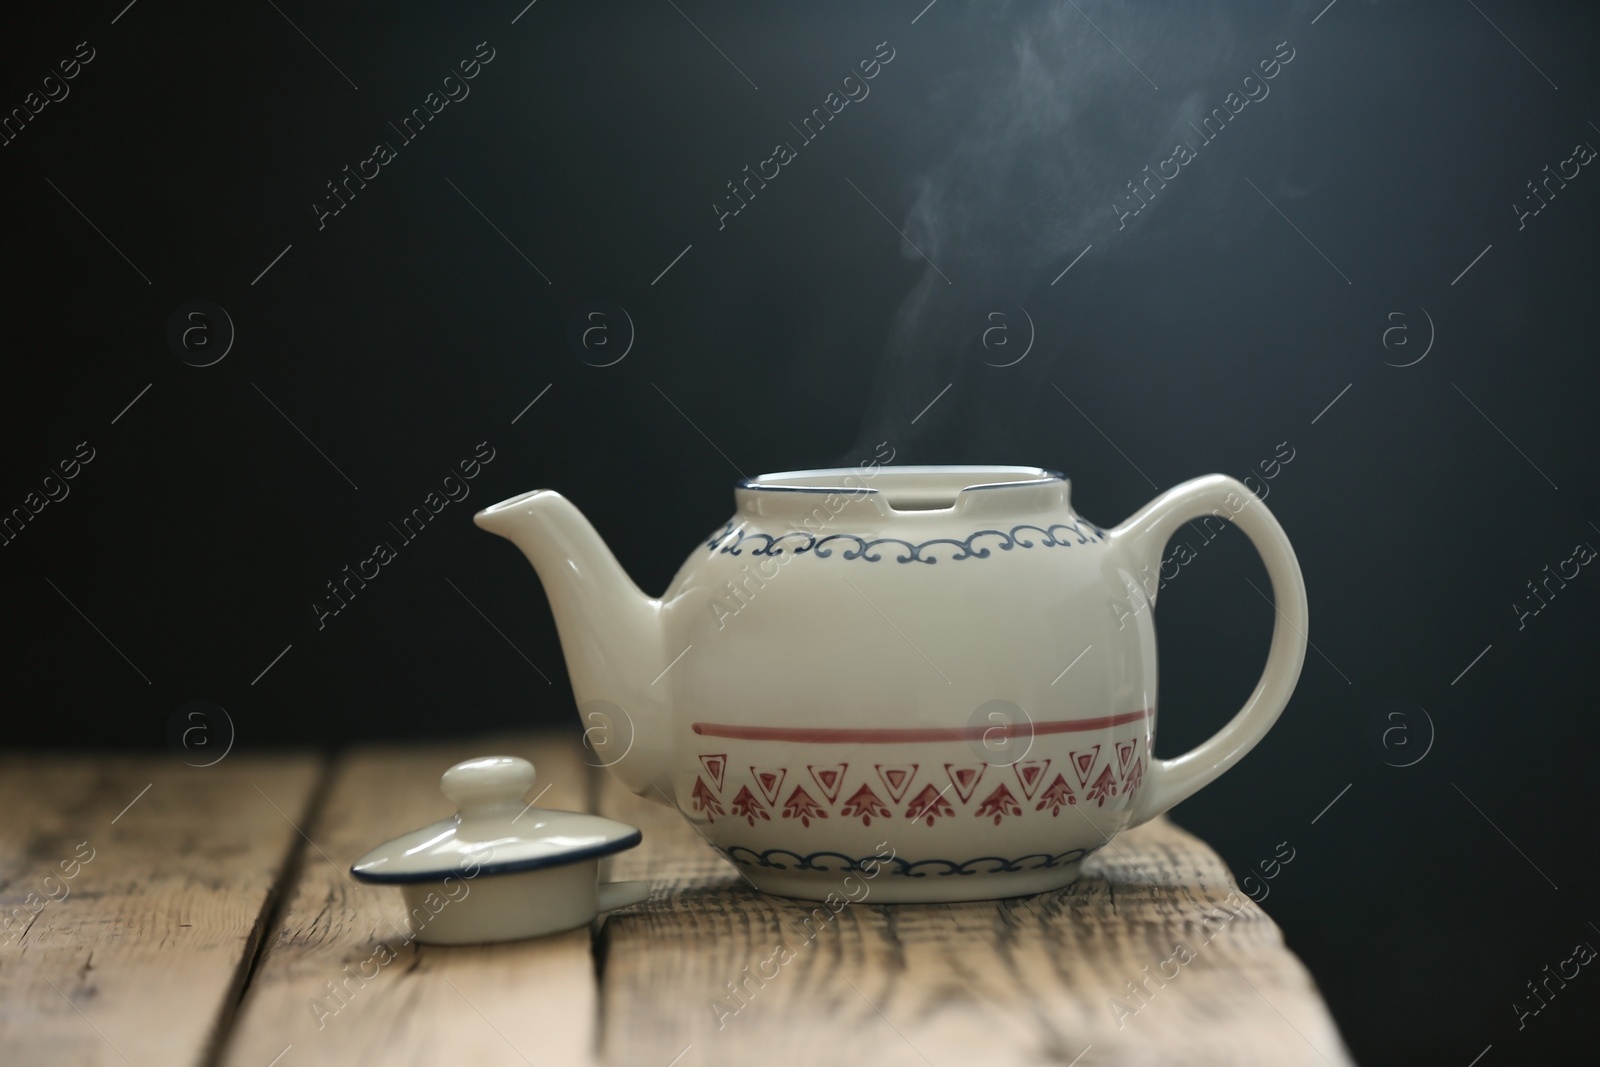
493, 831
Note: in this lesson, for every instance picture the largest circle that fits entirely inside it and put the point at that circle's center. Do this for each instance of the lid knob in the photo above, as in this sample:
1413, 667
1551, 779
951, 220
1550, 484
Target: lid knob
488, 785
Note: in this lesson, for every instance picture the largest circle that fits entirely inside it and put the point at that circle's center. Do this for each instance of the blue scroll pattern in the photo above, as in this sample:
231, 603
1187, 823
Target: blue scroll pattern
733, 541
1041, 861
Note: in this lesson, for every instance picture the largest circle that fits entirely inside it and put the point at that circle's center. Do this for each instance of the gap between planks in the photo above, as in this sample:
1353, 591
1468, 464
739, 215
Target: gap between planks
1015, 981
138, 955
271, 912
488, 1004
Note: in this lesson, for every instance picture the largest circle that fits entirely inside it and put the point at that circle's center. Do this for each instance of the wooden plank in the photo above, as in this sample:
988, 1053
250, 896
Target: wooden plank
1023, 981
341, 982
160, 875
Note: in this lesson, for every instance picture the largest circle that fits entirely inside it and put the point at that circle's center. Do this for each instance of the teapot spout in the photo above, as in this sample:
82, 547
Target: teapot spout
611, 632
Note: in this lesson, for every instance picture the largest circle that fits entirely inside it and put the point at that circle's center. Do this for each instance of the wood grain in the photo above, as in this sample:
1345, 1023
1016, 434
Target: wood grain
1152, 957
143, 951
514, 1004
714, 973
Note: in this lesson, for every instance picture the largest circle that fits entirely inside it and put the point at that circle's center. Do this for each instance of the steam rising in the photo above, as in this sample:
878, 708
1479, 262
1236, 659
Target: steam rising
1041, 145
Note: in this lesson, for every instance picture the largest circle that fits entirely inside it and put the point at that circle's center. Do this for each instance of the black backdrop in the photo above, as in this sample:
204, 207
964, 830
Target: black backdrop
1353, 238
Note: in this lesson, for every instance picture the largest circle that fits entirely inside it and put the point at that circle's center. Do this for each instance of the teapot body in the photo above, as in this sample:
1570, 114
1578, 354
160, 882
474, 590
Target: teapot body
909, 683
937, 684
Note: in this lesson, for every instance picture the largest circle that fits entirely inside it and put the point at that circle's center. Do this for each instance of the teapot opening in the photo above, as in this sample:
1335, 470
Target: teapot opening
909, 488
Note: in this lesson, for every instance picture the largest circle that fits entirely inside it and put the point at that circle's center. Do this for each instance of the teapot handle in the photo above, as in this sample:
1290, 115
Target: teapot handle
1145, 537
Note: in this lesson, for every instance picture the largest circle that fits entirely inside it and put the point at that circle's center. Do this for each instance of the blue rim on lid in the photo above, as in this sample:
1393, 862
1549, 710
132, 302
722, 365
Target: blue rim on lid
371, 867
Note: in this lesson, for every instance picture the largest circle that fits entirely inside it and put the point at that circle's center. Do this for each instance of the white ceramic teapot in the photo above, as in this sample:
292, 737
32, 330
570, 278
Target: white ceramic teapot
940, 679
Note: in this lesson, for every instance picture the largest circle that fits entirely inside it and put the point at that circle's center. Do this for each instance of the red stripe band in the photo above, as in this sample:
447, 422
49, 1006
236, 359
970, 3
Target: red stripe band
887, 736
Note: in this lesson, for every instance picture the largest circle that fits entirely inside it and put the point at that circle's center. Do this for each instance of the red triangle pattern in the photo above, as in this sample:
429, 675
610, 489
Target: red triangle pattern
1119, 776
896, 779
1083, 763
829, 779
965, 778
769, 780
716, 765
1125, 753
1029, 774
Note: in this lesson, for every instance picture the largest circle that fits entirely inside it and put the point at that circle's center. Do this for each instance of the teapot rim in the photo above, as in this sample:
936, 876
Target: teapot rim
901, 490
839, 479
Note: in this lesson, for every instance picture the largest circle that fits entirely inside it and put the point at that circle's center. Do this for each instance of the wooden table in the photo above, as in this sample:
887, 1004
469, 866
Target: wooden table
184, 915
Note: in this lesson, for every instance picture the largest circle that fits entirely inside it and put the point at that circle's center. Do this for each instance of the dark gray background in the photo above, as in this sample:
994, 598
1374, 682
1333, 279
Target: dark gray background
1222, 321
